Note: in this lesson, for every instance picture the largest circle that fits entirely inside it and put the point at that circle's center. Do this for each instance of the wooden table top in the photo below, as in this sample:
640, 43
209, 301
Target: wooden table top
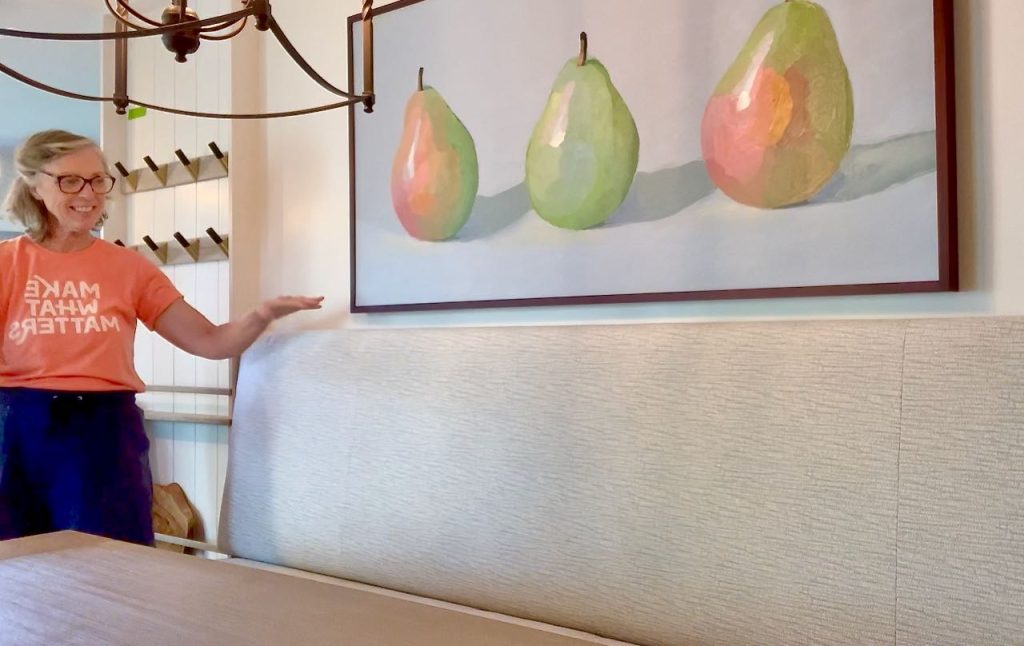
71, 588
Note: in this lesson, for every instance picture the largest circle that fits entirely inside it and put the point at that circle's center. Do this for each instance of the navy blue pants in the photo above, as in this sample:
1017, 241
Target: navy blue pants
74, 461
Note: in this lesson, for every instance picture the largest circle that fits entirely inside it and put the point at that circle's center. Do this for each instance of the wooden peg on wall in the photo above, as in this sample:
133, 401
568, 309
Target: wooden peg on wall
159, 250
131, 177
159, 171
218, 240
191, 246
192, 166
218, 154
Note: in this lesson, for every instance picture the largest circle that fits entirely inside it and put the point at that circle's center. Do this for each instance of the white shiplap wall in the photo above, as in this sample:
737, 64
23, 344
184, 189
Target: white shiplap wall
193, 455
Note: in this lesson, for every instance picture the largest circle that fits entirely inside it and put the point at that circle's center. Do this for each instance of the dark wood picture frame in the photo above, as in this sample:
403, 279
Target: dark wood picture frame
945, 122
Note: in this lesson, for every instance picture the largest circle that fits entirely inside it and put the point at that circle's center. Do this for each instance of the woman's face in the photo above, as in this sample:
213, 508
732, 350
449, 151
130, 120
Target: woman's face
75, 212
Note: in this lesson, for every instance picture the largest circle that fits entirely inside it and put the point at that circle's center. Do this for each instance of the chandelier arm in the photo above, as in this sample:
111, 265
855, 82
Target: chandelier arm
205, 36
121, 19
223, 25
368, 66
138, 14
237, 31
18, 76
261, 115
301, 62
166, 29
129, 24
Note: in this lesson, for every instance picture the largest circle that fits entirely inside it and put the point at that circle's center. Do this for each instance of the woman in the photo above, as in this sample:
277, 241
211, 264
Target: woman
73, 451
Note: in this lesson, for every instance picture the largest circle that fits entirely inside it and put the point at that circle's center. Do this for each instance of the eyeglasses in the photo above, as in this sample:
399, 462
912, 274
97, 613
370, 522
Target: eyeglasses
72, 184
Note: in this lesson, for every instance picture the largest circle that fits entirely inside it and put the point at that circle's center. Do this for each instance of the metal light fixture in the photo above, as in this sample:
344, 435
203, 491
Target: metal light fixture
182, 31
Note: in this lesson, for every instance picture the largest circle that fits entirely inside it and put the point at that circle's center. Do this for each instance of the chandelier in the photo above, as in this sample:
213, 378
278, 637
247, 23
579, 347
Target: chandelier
182, 31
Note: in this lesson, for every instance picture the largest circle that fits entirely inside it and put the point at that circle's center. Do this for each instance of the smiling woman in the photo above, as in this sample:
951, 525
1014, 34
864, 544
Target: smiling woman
73, 450
61, 189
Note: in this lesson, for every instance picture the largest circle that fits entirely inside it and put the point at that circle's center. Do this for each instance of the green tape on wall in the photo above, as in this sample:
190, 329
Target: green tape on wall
136, 113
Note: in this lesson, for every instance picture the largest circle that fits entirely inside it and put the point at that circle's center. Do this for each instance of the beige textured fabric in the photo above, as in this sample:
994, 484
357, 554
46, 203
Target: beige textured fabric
961, 513
70, 589
661, 484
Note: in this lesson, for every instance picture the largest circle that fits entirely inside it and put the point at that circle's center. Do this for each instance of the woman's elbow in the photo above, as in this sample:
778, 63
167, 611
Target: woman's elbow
216, 352
211, 346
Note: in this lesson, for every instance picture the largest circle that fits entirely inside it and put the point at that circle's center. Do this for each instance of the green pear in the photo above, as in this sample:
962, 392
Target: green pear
583, 153
435, 175
779, 122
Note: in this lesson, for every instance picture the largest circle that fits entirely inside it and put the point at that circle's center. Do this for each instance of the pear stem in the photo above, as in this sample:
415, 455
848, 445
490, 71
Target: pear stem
583, 49
419, 82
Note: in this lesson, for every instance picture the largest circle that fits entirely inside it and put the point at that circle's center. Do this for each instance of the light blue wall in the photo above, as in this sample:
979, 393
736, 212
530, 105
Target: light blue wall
69, 66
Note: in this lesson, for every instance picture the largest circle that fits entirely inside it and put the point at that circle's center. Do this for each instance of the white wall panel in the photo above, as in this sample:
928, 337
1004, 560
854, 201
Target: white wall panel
193, 455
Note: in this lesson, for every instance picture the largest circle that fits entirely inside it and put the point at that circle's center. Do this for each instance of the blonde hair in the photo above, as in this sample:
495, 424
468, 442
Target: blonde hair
35, 152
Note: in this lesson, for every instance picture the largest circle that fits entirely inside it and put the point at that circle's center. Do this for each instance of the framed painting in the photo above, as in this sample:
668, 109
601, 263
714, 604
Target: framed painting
599, 151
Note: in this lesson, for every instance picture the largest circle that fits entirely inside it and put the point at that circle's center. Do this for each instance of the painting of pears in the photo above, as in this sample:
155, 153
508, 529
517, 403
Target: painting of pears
779, 122
582, 156
794, 148
435, 175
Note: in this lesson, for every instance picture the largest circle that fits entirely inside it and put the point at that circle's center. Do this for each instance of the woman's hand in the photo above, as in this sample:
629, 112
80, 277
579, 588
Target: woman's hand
185, 327
282, 306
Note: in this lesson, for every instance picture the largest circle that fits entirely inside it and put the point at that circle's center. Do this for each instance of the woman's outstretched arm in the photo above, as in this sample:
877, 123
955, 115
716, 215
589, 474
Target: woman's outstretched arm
188, 329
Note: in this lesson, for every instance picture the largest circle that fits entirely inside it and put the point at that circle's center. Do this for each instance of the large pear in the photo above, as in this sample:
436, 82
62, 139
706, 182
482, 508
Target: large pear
583, 154
779, 122
435, 175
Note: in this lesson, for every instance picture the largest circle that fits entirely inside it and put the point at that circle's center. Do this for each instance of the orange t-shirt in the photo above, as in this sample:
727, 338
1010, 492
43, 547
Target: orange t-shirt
69, 318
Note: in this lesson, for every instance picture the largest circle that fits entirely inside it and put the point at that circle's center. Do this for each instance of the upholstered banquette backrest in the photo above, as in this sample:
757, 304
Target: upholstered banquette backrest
785, 482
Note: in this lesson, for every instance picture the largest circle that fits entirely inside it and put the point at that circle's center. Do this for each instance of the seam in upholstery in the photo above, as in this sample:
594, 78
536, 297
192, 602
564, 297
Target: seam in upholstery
899, 448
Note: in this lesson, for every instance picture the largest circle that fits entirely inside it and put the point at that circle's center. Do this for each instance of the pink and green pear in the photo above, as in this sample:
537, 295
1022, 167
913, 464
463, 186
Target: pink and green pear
583, 153
435, 175
780, 120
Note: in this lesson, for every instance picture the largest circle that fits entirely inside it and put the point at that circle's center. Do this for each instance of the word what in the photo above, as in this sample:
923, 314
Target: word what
56, 307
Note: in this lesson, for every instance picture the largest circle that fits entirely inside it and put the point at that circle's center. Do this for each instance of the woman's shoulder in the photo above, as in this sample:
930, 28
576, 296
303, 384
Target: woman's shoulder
10, 246
121, 254
110, 247
125, 257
